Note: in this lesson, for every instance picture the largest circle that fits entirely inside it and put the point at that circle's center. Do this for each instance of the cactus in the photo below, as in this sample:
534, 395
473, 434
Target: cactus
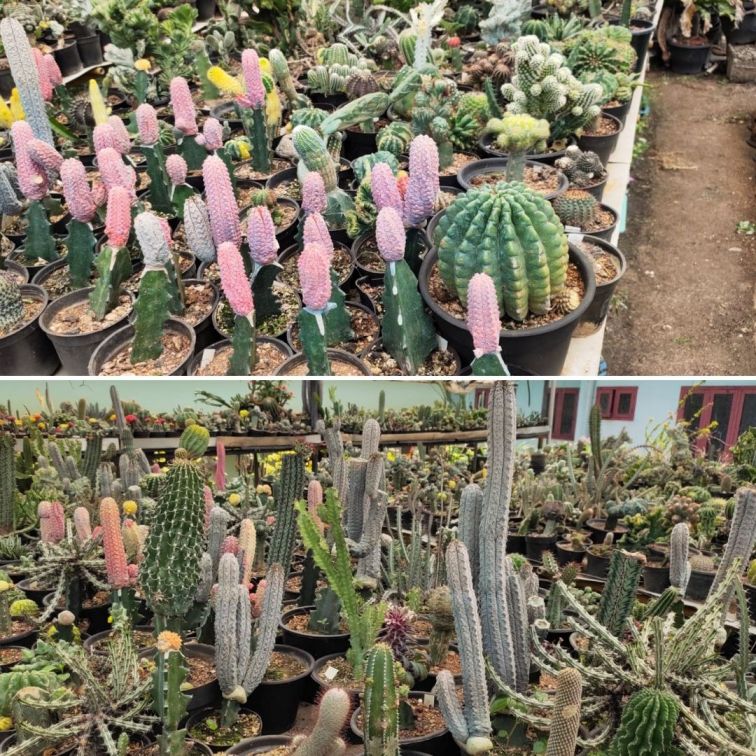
221, 202
647, 726
335, 64
470, 504
290, 489
702, 563
115, 554
324, 739
484, 323
619, 592
11, 303
364, 111
6, 624
186, 123
149, 137
251, 109
526, 257
195, 439
169, 700
380, 703
315, 280
471, 725
197, 229
565, 719
173, 550
581, 168
679, 569
576, 207
519, 135
82, 205
280, 68
7, 465
407, 331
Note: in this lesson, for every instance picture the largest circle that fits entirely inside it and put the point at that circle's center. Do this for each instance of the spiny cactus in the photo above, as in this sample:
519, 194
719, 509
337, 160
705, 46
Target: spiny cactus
112, 541
315, 280
221, 202
335, 64
565, 719
280, 68
518, 135
525, 280
581, 168
484, 323
7, 467
619, 592
169, 699
576, 207
470, 504
380, 703
679, 569
325, 740
647, 726
11, 303
290, 489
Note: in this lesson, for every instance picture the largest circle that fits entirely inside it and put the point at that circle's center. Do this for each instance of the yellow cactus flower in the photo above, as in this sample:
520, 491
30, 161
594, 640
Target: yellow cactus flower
142, 64
234, 499
265, 66
16, 108
452, 484
112, 418
243, 413
263, 488
41, 426
224, 81
6, 117
168, 641
130, 507
6, 723
244, 152
273, 108
100, 111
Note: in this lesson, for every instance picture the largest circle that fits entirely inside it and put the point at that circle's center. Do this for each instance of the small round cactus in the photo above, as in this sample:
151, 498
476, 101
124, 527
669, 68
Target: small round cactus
195, 439
576, 208
519, 132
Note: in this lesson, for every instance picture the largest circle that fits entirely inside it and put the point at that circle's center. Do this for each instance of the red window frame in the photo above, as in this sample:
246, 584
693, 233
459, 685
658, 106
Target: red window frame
556, 423
606, 410
610, 410
738, 393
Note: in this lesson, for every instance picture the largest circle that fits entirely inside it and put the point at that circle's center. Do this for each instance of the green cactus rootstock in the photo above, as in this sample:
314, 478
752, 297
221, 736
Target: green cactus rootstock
192, 152
380, 703
80, 243
152, 309
40, 243
244, 344
169, 701
512, 234
158, 188
113, 268
312, 333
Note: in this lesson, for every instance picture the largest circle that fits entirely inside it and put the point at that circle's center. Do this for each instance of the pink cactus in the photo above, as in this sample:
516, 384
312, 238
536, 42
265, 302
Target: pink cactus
234, 280
116, 563
221, 202
45, 156
261, 235
52, 521
147, 123
483, 319
54, 75
176, 168
390, 235
255, 94
384, 188
45, 85
165, 227
230, 545
79, 198
314, 198
316, 230
212, 135
423, 184
315, 276
118, 217
99, 192
32, 179
82, 524
122, 138
114, 172
220, 466
314, 500
185, 116
209, 504
103, 136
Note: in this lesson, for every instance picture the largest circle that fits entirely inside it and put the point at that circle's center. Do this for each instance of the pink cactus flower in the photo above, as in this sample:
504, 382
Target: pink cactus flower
483, 319
185, 116
45, 156
32, 179
315, 277
81, 204
255, 94
390, 235
423, 184
147, 123
384, 188
261, 235
114, 172
103, 136
212, 135
316, 230
45, 85
118, 217
234, 280
176, 168
116, 563
121, 136
221, 202
314, 198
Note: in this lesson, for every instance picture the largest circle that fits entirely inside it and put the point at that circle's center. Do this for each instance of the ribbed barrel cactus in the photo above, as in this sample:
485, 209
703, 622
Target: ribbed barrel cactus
511, 233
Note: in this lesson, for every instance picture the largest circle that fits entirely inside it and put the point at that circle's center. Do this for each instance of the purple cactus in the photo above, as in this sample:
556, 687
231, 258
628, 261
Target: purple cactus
390, 235
314, 198
315, 277
261, 235
147, 123
79, 197
221, 202
176, 168
316, 230
483, 319
384, 188
423, 184
255, 94
185, 116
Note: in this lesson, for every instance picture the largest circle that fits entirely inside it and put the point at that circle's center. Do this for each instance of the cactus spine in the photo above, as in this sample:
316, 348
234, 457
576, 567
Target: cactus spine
7, 482
565, 720
679, 569
324, 739
290, 489
619, 592
648, 723
381, 703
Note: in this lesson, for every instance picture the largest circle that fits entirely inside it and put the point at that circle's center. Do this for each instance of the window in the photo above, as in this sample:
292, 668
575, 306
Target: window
617, 402
565, 414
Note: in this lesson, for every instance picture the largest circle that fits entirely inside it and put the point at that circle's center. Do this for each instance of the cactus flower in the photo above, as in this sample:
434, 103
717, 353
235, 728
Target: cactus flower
32, 179
316, 230
147, 123
114, 172
116, 563
151, 237
315, 277
79, 197
103, 136
212, 135
254, 97
234, 279
314, 198
423, 184
384, 188
390, 235
118, 217
261, 235
483, 319
176, 168
168, 641
45, 156
221, 202
121, 136
185, 116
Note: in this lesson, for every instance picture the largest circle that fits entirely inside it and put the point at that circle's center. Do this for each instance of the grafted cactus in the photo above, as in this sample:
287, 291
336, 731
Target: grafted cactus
199, 235
280, 68
315, 280
484, 323
237, 289
152, 149
186, 123
518, 135
221, 202
82, 205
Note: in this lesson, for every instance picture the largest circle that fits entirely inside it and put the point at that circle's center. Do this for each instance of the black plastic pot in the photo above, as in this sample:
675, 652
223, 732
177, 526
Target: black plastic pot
67, 58
14, 267
699, 585
315, 645
498, 165
96, 616
27, 639
35, 594
602, 145
204, 331
277, 701
205, 9
640, 41
594, 315
333, 354
117, 340
655, 579
90, 50
565, 554
540, 350
6, 83
618, 111
260, 744
745, 32
196, 361
516, 544
595, 565
486, 147
688, 59
536, 544
75, 351
537, 462
358, 143
27, 351
320, 666
596, 190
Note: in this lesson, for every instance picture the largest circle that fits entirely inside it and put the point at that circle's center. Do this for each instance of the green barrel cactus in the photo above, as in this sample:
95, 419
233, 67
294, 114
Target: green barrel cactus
195, 439
576, 207
512, 234
647, 726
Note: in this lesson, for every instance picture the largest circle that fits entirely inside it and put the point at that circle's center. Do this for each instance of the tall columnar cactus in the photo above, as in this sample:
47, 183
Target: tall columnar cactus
238, 292
619, 592
679, 569
169, 700
512, 234
82, 205
470, 725
221, 202
335, 445
648, 724
519, 135
315, 280
325, 740
186, 123
152, 149
7, 467
290, 489
239, 669
407, 331
374, 502
484, 323
470, 505
565, 717
251, 108
380, 703
11, 302
112, 542
172, 553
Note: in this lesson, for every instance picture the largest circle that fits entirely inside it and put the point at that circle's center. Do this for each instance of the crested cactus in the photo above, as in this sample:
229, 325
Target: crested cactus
619, 592
518, 135
577, 208
679, 569
484, 323
565, 719
290, 489
525, 252
380, 703
648, 724
407, 331
325, 740
11, 303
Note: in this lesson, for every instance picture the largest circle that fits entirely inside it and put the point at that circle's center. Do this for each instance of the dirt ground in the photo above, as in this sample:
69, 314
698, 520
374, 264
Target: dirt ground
686, 304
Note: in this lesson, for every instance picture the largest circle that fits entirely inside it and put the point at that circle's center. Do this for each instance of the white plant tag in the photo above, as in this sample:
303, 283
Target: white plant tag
207, 357
443, 344
574, 234
330, 674
429, 700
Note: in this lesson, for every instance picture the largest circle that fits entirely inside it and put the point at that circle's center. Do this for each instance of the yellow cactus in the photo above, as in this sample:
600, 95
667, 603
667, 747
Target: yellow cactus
273, 108
224, 81
6, 117
16, 108
100, 111
130, 507
234, 499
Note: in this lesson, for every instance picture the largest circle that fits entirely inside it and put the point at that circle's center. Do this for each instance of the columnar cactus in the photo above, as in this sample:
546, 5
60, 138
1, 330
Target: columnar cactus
619, 592
512, 234
186, 123
82, 205
11, 306
679, 569
11, 198
471, 725
52, 521
114, 172
152, 149
407, 331
314, 198
470, 505
82, 524
384, 187
221, 202
484, 323
7, 457
251, 108
290, 489
112, 542
325, 740
315, 279
380, 703
280, 68
169, 699
237, 289
565, 718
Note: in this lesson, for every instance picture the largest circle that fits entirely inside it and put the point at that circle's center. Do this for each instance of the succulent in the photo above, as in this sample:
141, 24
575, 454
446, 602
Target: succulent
581, 168
577, 208
334, 66
484, 323
565, 718
648, 724
11, 302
